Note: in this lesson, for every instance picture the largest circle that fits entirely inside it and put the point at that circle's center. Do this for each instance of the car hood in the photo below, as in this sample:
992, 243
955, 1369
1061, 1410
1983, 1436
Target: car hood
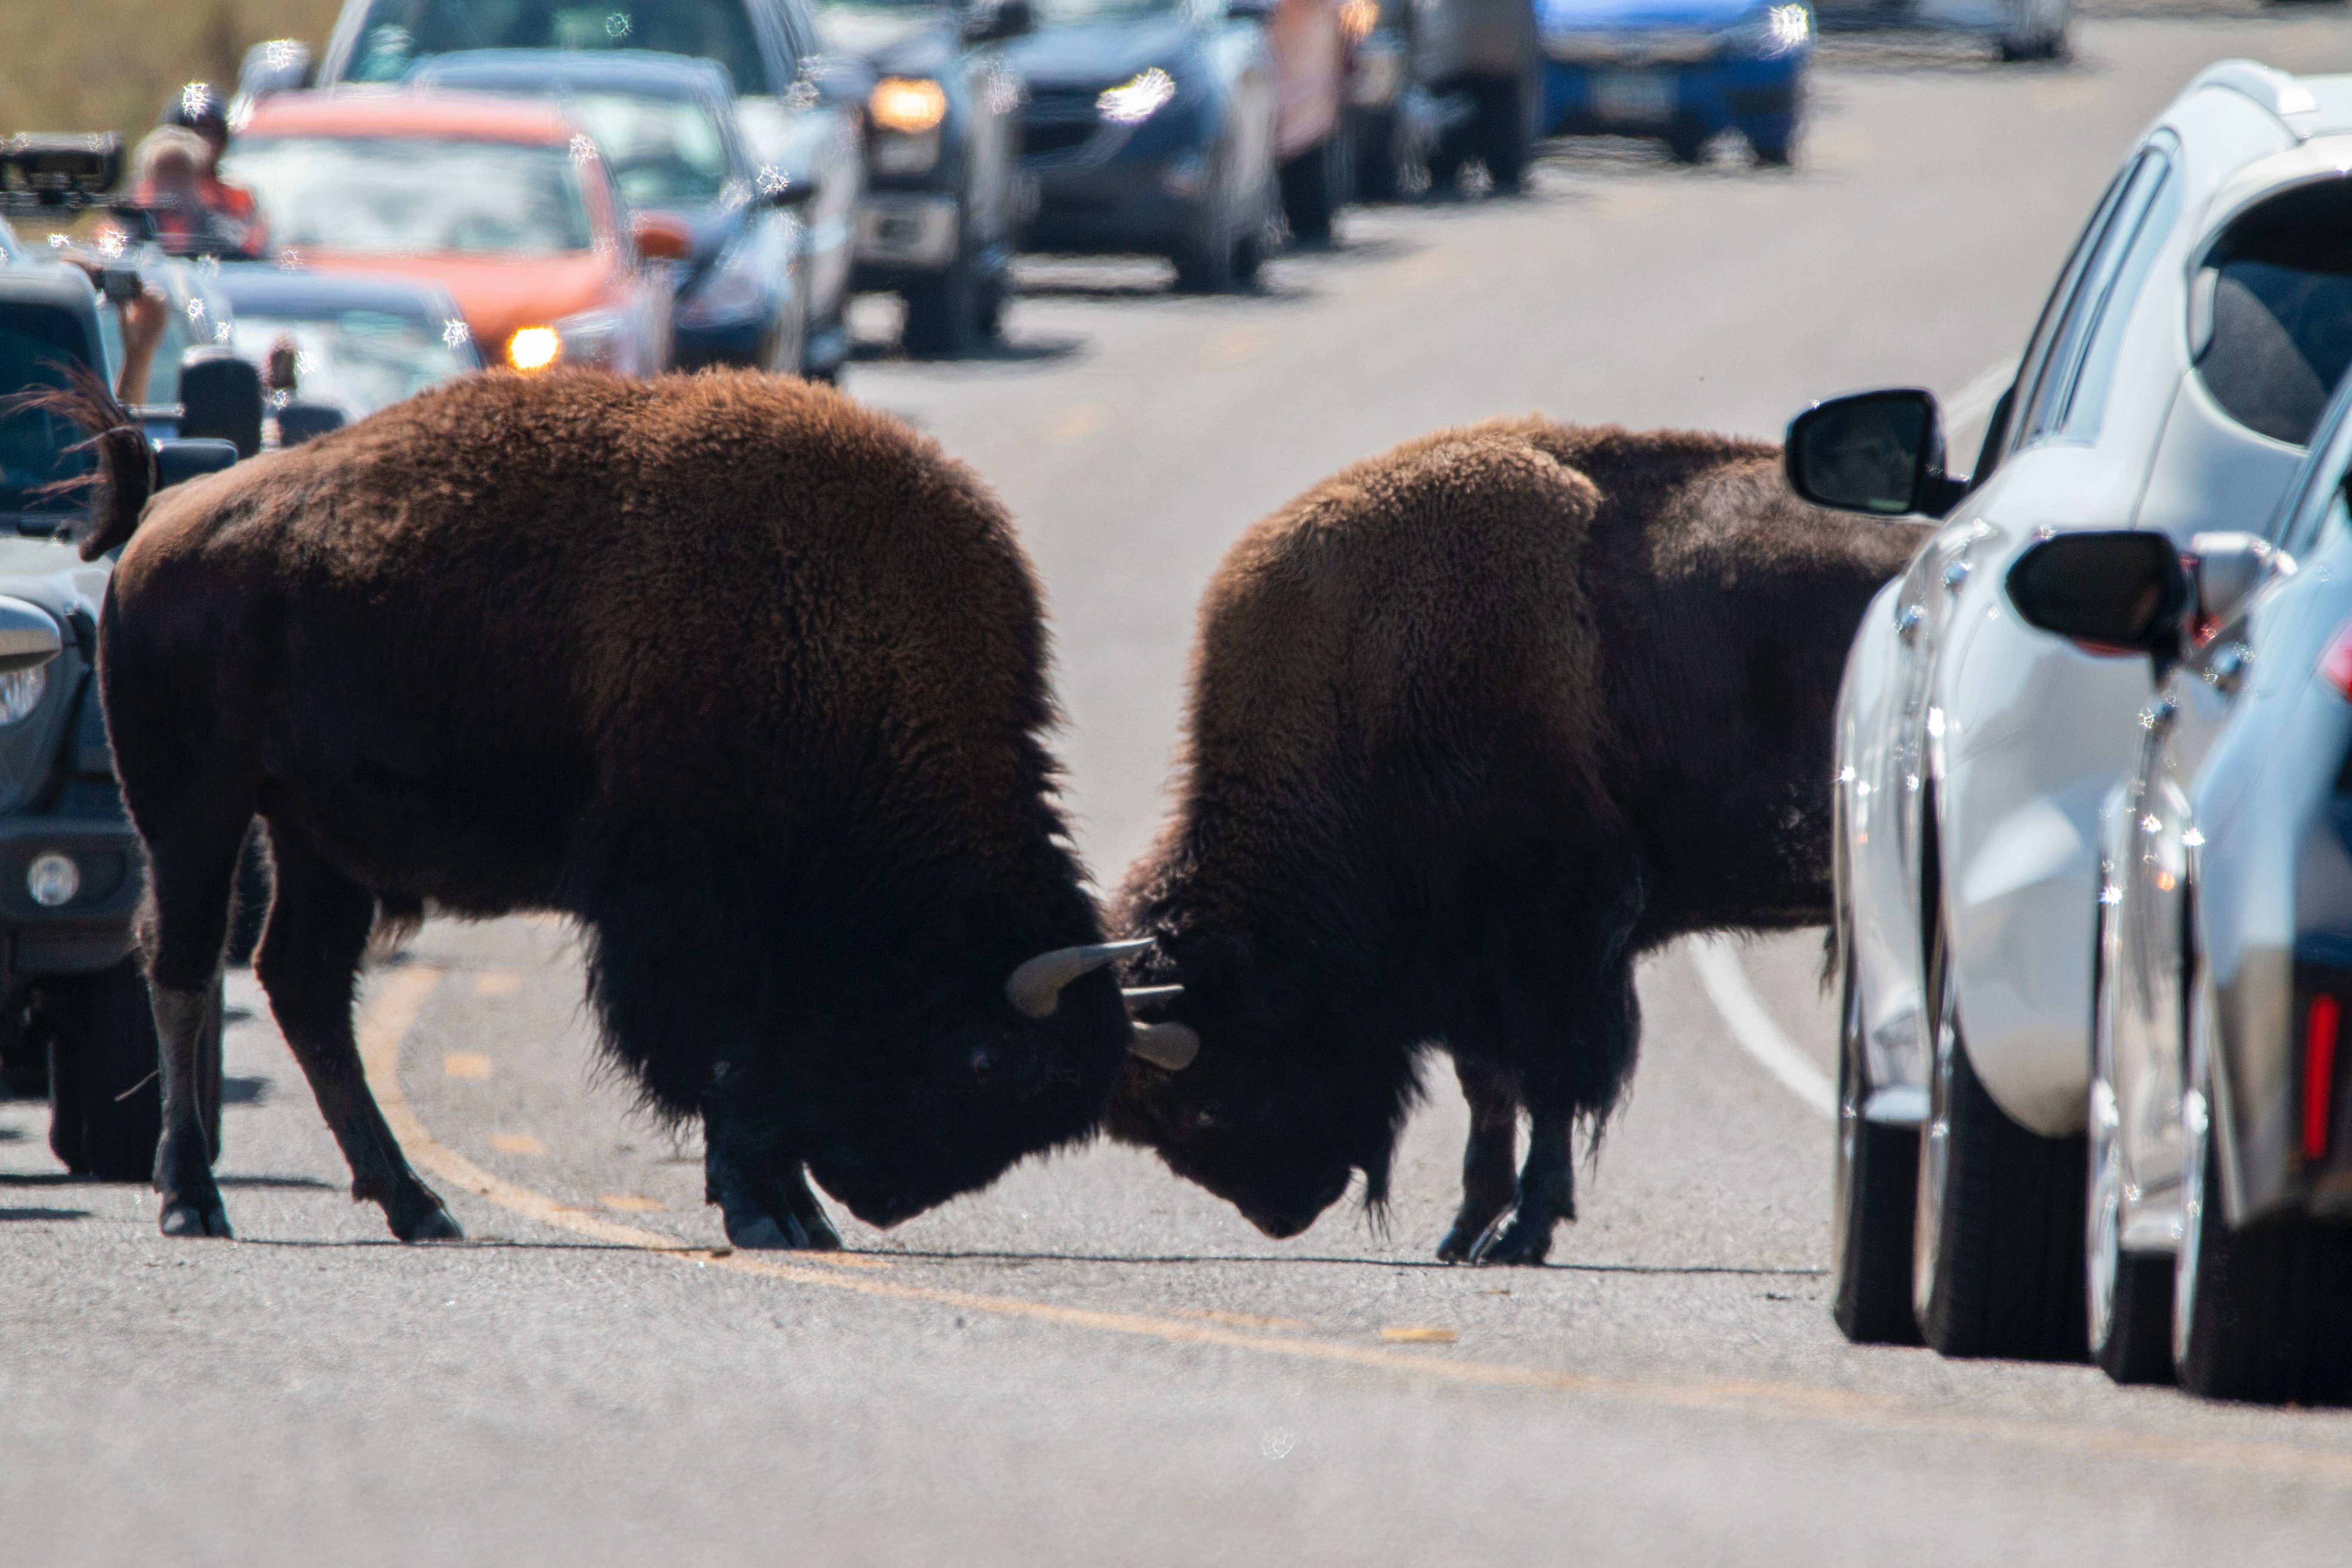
1634, 15
499, 293
901, 42
1099, 54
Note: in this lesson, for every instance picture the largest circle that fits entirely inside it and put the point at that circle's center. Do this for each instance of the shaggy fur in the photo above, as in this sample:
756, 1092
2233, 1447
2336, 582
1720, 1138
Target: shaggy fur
1472, 725
748, 680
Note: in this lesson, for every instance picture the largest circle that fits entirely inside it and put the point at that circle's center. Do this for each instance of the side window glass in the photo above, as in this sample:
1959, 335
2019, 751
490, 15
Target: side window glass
2055, 388
2037, 348
2087, 399
2319, 494
2276, 294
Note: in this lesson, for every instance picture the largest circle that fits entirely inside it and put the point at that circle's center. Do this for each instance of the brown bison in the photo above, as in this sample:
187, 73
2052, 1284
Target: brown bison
1472, 726
747, 680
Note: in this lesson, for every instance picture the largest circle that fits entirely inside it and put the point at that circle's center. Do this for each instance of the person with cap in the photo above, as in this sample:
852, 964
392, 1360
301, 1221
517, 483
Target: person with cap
196, 107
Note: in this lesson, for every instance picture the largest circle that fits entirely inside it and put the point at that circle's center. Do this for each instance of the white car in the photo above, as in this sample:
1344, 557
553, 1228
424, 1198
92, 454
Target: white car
2019, 30
2169, 385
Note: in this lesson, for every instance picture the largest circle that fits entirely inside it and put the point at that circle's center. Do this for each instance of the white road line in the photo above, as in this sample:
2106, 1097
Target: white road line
1717, 959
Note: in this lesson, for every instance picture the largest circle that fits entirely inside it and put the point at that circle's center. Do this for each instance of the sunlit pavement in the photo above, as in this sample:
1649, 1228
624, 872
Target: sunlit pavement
1093, 1361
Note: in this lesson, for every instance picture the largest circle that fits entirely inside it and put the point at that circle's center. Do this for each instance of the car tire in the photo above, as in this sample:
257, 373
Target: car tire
1308, 198
1996, 1238
1875, 1193
944, 310
2265, 1313
1503, 141
1773, 152
2126, 1296
1208, 263
106, 1097
1687, 143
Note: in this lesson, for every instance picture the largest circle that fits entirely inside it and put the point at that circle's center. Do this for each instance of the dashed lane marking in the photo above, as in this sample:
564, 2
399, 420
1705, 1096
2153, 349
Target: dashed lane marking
398, 998
464, 1064
1717, 959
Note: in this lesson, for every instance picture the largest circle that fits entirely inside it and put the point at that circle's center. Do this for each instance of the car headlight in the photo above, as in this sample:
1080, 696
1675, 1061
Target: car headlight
911, 104
532, 349
1771, 33
740, 284
1138, 99
21, 692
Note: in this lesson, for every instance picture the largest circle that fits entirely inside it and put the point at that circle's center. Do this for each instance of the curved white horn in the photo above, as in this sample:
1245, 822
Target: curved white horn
1035, 988
1170, 1046
1144, 996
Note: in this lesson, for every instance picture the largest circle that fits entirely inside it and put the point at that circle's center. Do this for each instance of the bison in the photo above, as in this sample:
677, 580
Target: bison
748, 681
1473, 725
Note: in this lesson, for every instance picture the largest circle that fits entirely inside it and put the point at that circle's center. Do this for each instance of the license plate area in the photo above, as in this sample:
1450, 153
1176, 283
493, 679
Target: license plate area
1640, 98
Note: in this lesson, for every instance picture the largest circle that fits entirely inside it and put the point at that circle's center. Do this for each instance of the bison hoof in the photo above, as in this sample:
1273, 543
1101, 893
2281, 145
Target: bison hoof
431, 1225
767, 1233
182, 1217
1461, 1243
1519, 1244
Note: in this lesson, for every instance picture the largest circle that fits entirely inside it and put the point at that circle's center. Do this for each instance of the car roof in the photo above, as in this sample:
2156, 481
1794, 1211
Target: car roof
2307, 106
540, 71
266, 291
467, 116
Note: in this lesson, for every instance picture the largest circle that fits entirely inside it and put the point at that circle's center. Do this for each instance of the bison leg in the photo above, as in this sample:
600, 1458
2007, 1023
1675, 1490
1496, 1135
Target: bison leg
764, 1199
317, 929
1488, 1159
1546, 1195
193, 860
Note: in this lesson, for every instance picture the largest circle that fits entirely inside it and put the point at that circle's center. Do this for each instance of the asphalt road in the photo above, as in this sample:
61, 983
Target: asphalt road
1093, 1361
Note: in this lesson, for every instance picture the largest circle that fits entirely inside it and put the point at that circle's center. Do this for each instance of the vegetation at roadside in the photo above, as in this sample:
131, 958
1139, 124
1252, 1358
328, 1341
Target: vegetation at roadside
109, 65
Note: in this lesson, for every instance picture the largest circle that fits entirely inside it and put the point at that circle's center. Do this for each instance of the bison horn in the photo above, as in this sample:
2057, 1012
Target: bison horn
1170, 1046
1035, 988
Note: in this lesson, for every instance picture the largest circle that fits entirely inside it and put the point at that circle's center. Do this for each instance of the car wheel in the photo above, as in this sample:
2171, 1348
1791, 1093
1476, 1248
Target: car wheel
944, 310
1307, 197
1503, 133
988, 325
1773, 152
2263, 1314
1875, 1193
2127, 1296
1204, 264
106, 1099
1997, 1234
1687, 143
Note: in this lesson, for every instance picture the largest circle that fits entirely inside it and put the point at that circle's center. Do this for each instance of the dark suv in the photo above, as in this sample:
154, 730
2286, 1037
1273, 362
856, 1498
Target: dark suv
73, 1001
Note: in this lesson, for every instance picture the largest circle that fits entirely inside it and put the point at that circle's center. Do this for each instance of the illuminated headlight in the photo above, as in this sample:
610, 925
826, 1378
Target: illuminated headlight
534, 348
52, 880
907, 103
1138, 99
20, 692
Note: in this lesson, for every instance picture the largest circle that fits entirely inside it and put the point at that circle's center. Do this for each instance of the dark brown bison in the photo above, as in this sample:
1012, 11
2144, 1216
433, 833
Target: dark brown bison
1473, 725
747, 680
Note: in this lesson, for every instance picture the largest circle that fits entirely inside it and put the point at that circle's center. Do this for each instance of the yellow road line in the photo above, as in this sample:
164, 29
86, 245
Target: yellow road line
399, 996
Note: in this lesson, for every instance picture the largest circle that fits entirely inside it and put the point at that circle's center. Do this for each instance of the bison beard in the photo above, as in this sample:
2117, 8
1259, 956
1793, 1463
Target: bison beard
746, 680
1472, 726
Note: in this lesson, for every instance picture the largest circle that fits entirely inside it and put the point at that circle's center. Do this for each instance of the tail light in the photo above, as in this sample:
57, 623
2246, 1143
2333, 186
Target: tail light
2319, 1029
2336, 664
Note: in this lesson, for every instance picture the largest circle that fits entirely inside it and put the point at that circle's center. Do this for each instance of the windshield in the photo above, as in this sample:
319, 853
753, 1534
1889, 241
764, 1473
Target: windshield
399, 31
662, 152
398, 194
1077, 13
363, 360
35, 346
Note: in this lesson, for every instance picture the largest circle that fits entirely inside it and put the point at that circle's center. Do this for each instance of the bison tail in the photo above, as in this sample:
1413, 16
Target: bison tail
125, 473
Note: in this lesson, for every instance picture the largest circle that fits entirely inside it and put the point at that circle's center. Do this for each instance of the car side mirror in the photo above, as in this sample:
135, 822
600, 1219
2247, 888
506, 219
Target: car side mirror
220, 398
2119, 592
177, 462
778, 189
28, 637
2228, 569
1875, 452
987, 24
661, 238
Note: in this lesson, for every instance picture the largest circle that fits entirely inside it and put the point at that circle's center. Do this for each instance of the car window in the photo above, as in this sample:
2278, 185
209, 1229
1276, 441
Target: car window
2003, 434
2085, 402
398, 33
2277, 291
373, 357
663, 152
35, 346
398, 194
2320, 485
2044, 408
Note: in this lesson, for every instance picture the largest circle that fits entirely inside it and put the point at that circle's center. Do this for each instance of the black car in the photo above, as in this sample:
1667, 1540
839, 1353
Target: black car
667, 128
73, 1000
1149, 130
944, 196
798, 116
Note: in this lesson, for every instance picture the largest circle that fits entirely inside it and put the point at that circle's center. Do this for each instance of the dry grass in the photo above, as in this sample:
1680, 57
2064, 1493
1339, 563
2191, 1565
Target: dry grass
109, 65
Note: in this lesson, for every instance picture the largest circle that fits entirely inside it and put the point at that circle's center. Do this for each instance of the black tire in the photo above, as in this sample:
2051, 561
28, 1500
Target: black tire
1875, 1191
1225, 254
1377, 164
1996, 1240
106, 1097
1308, 197
1686, 144
2265, 1313
944, 310
989, 324
2022, 51
1503, 144
1773, 152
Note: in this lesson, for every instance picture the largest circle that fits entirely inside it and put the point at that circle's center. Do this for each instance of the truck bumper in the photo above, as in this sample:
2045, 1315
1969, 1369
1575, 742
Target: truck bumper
90, 931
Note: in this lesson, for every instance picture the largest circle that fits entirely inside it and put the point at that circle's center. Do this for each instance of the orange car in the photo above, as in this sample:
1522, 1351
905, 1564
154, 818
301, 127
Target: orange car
502, 202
